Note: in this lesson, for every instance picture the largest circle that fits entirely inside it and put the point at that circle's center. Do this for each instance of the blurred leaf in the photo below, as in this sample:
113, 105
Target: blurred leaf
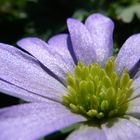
14, 9
127, 14
80, 14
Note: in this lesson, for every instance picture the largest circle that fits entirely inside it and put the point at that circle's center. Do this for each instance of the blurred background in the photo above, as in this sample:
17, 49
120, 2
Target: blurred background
45, 18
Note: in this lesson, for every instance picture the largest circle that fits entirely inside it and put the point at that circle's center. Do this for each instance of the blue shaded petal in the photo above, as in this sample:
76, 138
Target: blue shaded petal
133, 120
134, 108
129, 54
62, 45
35, 120
121, 129
87, 133
136, 83
101, 30
81, 41
23, 71
13, 90
47, 55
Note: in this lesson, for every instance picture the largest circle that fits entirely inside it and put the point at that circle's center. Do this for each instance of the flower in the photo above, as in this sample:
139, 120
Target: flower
72, 79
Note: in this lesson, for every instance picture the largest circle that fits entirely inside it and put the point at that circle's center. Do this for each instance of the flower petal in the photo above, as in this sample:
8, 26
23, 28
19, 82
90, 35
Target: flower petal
136, 87
81, 41
23, 71
34, 120
136, 93
129, 54
134, 108
136, 83
61, 44
47, 55
137, 74
23, 94
101, 30
121, 129
87, 132
133, 120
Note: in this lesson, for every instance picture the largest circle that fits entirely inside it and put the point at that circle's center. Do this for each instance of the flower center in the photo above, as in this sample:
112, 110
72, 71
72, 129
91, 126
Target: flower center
97, 92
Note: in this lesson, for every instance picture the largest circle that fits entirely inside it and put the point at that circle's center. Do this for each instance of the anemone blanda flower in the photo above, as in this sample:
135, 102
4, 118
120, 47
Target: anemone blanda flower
72, 79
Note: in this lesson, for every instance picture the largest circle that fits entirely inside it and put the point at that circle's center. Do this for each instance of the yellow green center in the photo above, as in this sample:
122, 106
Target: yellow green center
97, 92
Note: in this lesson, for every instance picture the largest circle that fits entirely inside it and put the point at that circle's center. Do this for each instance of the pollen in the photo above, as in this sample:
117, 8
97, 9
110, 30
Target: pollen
98, 92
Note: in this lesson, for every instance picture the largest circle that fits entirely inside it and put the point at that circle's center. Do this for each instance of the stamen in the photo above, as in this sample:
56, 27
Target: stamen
98, 92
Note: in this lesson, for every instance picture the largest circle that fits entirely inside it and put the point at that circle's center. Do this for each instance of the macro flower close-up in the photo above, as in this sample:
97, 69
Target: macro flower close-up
72, 79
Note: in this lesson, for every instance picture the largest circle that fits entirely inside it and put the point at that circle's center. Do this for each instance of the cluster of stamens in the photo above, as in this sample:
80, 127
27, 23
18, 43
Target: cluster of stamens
97, 92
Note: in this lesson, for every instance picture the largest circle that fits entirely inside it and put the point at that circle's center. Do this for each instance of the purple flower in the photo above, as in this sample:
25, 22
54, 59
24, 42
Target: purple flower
59, 78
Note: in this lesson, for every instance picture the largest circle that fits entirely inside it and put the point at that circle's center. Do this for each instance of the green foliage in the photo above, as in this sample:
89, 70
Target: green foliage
12, 8
127, 14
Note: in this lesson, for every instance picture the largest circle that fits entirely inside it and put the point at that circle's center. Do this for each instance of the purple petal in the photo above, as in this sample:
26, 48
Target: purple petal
87, 132
134, 120
134, 108
47, 55
23, 71
101, 29
121, 129
34, 120
129, 54
136, 83
136, 93
61, 44
23, 94
137, 75
81, 41
136, 88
